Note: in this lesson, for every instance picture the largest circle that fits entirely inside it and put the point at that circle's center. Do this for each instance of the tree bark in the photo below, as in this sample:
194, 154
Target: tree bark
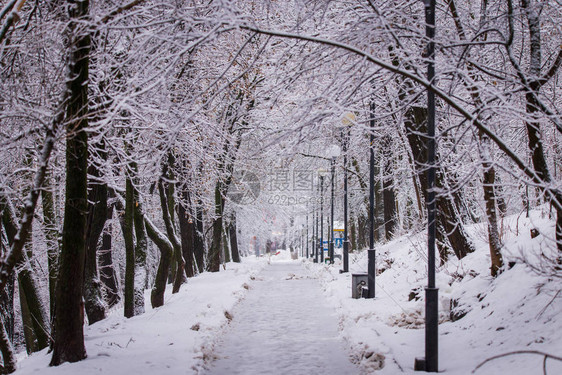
7, 306
6, 293
9, 362
7, 315
234, 240
108, 276
489, 174
187, 231
33, 312
165, 203
226, 247
379, 205
352, 235
213, 258
199, 239
69, 316
52, 236
34, 315
534, 133
493, 234
166, 253
362, 220
97, 215
226, 166
140, 252
127, 227
389, 198
27, 321
447, 214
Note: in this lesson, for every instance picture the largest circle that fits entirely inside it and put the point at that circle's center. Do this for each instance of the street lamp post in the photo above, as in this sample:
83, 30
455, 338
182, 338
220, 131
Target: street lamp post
371, 254
347, 121
321, 245
315, 248
430, 362
307, 236
331, 246
303, 240
333, 152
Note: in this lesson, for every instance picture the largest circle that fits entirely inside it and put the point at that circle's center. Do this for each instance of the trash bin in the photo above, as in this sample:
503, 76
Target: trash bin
358, 283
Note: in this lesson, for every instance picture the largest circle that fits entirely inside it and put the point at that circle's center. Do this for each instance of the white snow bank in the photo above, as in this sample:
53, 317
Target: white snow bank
177, 338
281, 256
519, 310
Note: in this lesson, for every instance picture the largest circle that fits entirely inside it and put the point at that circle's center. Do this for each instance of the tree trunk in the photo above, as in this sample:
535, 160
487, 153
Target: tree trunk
493, 234
97, 215
559, 230
199, 239
166, 252
34, 316
7, 307
352, 235
6, 293
187, 232
226, 247
447, 214
52, 236
9, 361
27, 322
33, 307
127, 227
140, 252
177, 264
362, 220
33, 312
226, 166
234, 240
69, 316
389, 199
363, 231
533, 106
165, 203
500, 197
489, 174
213, 259
108, 276
379, 205
389, 203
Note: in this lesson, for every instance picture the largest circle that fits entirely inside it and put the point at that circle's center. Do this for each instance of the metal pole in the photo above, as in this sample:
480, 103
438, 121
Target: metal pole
371, 252
306, 236
431, 361
302, 242
315, 248
345, 240
322, 219
331, 246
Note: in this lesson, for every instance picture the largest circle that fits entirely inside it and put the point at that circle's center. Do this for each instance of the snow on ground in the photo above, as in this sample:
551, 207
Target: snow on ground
284, 326
520, 310
177, 338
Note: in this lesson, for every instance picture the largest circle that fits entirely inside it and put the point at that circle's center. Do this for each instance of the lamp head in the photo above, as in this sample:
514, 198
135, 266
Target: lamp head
333, 151
348, 119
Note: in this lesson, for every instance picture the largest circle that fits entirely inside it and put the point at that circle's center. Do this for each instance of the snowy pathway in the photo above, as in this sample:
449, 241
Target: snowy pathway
284, 326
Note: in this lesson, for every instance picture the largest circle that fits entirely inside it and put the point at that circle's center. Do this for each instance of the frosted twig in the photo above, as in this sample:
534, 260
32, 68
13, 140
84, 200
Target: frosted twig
546, 355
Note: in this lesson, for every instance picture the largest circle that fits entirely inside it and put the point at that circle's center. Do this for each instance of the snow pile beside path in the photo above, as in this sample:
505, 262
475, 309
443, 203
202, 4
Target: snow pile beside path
281, 255
519, 310
177, 338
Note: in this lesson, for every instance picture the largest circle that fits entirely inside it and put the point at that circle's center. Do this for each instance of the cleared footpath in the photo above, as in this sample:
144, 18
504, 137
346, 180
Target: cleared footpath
284, 326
